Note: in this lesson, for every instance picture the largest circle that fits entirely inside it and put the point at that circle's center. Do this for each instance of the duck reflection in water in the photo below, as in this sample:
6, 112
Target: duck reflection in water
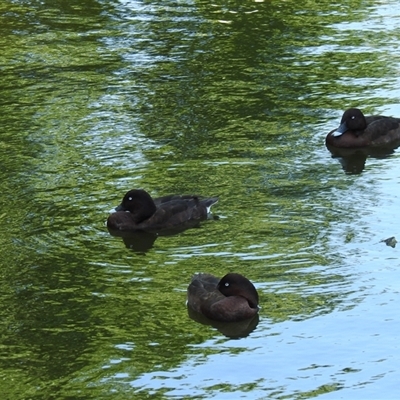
139, 219
233, 330
142, 241
353, 160
229, 304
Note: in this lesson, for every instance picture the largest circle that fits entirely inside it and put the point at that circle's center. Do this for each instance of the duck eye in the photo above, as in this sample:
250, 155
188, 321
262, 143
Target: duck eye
226, 284
130, 198
353, 117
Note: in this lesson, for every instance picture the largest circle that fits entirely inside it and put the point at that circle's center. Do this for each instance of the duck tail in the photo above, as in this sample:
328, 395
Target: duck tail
210, 202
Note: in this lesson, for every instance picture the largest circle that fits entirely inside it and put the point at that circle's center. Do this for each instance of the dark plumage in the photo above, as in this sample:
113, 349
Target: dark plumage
357, 130
139, 212
231, 299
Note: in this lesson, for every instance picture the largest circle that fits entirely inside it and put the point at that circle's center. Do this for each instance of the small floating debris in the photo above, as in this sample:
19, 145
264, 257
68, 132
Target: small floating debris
390, 241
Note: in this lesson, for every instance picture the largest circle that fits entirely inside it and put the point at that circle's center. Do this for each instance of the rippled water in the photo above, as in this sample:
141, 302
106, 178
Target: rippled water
223, 100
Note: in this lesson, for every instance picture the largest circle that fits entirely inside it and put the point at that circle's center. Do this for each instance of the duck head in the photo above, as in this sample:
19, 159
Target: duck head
352, 120
238, 285
139, 203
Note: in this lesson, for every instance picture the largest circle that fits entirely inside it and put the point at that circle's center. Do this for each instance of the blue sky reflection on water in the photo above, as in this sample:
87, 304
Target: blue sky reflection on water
295, 358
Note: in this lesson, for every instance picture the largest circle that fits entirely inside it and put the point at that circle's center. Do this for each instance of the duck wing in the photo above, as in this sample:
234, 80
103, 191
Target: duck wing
379, 126
174, 213
208, 201
203, 292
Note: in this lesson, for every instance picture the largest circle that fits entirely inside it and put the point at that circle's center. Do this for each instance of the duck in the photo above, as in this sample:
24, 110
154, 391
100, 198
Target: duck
357, 130
138, 211
232, 298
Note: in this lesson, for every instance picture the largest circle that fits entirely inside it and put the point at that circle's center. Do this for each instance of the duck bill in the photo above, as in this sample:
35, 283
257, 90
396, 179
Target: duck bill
120, 208
342, 129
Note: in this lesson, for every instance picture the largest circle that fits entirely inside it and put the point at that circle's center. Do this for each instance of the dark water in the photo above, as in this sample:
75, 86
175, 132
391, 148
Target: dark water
223, 99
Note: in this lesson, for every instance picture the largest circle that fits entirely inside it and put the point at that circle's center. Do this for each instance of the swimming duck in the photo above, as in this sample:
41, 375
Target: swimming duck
139, 212
230, 299
357, 130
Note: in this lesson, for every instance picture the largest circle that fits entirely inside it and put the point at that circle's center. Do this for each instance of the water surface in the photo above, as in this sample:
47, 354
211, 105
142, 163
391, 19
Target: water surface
223, 100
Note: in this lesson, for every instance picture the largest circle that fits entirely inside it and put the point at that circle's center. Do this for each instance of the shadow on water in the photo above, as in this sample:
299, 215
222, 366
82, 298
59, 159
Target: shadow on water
142, 242
353, 160
139, 242
233, 330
